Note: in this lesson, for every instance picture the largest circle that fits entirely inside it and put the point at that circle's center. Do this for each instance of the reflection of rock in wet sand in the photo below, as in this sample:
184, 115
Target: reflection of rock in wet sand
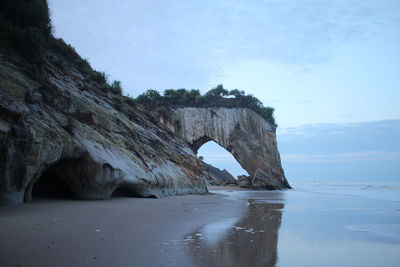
251, 241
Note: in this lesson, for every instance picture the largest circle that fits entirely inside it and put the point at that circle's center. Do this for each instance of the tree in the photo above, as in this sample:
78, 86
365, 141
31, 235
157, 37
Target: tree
213, 98
218, 91
236, 93
150, 99
25, 25
116, 87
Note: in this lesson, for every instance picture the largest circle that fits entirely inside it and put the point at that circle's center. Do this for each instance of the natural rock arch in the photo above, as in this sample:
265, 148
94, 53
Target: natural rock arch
245, 134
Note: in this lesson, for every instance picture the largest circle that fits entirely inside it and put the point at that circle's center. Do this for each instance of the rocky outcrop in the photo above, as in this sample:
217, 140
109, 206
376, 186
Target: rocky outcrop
56, 123
63, 125
244, 133
215, 176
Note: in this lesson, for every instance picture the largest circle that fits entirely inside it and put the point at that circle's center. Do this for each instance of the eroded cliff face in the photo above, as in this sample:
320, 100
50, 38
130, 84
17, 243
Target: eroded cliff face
69, 128
244, 133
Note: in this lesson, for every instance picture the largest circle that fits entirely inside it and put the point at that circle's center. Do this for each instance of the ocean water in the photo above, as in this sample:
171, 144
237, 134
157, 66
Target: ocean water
315, 224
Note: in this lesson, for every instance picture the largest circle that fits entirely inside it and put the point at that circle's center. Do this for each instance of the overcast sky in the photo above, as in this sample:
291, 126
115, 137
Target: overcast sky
350, 152
313, 60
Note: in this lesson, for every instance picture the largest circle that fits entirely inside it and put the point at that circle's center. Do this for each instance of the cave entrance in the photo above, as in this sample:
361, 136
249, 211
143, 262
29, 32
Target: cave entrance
123, 192
53, 183
51, 187
217, 156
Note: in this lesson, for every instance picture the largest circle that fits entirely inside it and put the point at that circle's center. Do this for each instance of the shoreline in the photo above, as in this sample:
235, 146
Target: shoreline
228, 188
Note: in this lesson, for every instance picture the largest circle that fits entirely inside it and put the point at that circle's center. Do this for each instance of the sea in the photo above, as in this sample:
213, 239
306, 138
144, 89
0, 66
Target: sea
313, 224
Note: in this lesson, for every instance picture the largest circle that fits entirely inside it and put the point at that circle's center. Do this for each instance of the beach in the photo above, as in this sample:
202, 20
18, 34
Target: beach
226, 228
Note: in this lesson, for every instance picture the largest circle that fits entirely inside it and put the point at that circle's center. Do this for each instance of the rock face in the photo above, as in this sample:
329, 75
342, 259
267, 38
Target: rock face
69, 128
215, 176
242, 132
57, 124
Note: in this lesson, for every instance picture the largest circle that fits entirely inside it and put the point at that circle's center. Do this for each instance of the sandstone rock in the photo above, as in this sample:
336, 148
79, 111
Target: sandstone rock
244, 133
244, 181
54, 122
52, 126
232, 182
215, 176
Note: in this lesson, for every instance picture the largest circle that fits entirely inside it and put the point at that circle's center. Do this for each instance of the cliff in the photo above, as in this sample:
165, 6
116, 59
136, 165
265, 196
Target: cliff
242, 132
54, 121
59, 119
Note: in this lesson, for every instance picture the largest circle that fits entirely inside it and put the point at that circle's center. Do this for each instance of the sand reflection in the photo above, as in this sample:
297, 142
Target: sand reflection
249, 241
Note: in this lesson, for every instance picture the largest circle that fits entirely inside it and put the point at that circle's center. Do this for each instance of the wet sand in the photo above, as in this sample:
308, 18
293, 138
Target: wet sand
117, 232
228, 188
297, 227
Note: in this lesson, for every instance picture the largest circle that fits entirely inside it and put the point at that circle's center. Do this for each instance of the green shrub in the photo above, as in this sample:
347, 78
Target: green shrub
25, 25
216, 97
130, 101
150, 99
117, 101
162, 110
66, 50
115, 87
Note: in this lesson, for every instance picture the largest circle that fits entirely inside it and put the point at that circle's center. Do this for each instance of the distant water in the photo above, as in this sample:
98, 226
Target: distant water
315, 224
379, 191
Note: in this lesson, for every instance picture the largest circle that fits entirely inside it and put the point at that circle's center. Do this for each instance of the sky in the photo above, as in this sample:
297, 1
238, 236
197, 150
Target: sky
359, 152
317, 62
331, 152
314, 61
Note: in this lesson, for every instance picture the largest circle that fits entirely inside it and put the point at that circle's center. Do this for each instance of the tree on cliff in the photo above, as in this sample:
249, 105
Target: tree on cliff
25, 25
216, 97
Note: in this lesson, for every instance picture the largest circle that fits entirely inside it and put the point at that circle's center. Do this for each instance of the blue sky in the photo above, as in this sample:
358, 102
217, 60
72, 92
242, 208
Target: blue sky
314, 61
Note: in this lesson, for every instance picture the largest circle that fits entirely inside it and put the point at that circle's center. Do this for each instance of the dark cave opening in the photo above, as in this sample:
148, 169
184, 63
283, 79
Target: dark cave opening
51, 186
122, 192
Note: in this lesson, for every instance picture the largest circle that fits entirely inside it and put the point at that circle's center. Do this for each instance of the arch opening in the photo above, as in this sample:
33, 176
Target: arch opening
199, 143
217, 156
53, 184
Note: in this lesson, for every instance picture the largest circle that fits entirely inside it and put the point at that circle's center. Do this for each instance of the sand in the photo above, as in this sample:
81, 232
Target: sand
117, 232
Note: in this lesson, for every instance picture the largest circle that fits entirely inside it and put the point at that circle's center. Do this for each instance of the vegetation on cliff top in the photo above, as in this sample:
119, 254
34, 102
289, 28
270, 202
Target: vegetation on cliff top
216, 97
25, 26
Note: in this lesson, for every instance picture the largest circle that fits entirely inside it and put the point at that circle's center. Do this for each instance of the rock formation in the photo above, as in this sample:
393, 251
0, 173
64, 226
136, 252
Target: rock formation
59, 123
241, 131
215, 176
54, 122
